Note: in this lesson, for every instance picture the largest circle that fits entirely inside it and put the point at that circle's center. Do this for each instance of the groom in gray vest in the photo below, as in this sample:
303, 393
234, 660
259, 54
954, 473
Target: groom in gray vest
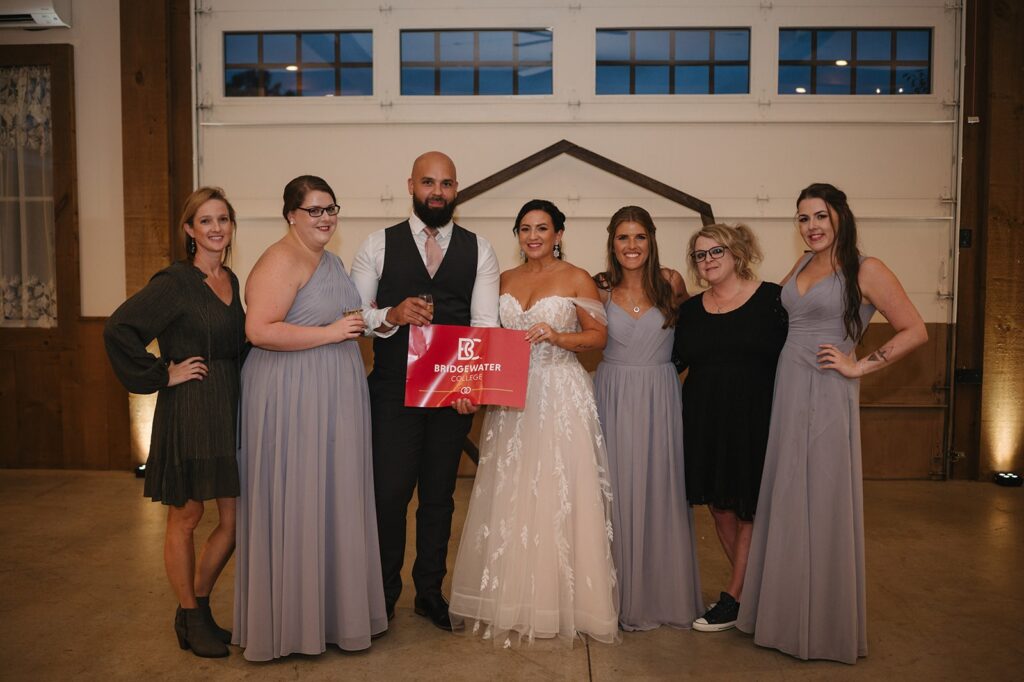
419, 448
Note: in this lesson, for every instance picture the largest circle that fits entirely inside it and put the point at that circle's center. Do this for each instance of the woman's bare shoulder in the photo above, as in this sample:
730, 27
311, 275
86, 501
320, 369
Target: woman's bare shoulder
580, 281
510, 275
281, 263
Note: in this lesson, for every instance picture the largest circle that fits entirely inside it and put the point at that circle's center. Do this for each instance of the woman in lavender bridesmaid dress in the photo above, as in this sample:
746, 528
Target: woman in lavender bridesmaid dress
638, 400
308, 571
804, 590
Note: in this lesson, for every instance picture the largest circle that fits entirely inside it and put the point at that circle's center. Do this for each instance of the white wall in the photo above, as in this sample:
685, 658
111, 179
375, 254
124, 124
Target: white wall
95, 35
747, 155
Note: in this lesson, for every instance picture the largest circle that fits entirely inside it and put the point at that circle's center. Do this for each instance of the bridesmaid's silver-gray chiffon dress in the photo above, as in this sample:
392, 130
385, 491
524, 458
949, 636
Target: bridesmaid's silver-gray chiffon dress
308, 562
804, 588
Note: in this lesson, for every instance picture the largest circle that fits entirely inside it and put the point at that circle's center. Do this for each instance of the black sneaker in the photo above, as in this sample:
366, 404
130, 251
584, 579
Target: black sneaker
721, 616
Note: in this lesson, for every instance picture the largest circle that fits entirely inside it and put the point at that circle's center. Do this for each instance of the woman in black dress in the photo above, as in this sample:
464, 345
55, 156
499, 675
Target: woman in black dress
192, 309
729, 337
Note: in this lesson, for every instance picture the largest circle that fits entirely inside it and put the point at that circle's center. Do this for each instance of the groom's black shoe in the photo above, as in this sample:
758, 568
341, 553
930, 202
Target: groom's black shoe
435, 607
389, 609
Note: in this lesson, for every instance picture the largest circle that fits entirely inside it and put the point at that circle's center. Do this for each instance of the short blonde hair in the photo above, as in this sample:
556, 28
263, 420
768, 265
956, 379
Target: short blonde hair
740, 241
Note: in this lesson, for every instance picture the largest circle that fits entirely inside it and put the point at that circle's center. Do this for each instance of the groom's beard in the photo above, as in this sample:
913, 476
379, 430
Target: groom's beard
433, 217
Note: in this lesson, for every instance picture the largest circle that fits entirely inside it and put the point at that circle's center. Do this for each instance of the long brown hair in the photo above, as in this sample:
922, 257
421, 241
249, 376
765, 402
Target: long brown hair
844, 251
656, 289
191, 207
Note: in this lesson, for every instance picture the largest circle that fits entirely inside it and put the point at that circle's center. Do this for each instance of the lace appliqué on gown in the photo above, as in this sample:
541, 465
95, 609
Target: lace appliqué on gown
535, 558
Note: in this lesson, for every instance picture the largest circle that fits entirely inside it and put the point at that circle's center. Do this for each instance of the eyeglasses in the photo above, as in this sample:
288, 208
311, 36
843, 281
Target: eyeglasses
317, 211
714, 253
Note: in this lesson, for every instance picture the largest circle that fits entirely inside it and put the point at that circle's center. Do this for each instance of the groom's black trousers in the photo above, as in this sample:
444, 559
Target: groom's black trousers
414, 448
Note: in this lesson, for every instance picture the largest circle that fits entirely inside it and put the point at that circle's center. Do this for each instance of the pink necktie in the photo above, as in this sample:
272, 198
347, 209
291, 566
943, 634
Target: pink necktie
433, 250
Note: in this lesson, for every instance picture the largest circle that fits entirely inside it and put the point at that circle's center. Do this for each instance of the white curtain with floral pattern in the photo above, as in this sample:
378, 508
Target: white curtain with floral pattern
27, 246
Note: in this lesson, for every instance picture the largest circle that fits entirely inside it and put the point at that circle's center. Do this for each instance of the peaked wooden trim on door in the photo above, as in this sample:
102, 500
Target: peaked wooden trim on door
585, 155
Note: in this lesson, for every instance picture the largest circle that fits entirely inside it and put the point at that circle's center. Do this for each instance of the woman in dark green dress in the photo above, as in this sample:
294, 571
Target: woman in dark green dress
192, 309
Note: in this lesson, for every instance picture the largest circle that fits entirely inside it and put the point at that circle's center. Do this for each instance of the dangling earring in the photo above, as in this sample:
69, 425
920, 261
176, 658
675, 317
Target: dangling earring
190, 245
522, 255
558, 250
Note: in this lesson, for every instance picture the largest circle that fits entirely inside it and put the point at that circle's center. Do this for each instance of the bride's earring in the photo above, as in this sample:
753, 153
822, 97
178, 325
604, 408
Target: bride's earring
558, 250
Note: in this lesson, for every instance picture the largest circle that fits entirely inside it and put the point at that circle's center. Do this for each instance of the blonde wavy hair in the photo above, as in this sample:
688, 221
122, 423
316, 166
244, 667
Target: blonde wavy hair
741, 242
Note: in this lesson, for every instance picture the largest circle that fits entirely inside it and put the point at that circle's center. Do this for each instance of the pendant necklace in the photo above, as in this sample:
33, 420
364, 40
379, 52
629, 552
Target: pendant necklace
720, 305
636, 306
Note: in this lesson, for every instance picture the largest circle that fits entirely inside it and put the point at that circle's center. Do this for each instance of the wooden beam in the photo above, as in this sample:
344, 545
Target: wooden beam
156, 125
509, 172
144, 123
1002, 411
660, 188
594, 159
179, 129
968, 330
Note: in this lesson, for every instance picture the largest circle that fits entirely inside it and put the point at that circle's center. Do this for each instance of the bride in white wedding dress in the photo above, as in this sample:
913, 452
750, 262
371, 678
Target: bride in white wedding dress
535, 558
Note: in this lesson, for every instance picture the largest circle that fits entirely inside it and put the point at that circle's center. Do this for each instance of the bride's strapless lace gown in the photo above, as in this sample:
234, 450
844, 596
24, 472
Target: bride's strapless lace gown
535, 556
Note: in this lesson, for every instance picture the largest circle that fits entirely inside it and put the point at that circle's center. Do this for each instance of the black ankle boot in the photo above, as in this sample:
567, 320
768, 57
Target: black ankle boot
204, 606
194, 632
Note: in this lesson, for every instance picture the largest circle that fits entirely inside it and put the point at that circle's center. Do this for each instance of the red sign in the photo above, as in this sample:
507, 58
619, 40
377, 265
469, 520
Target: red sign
485, 364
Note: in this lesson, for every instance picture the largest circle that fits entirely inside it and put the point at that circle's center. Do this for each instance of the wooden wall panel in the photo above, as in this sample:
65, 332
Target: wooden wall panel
146, 136
988, 413
902, 442
37, 377
8, 411
156, 119
102, 403
904, 408
918, 379
1002, 408
118, 429
74, 405
63, 409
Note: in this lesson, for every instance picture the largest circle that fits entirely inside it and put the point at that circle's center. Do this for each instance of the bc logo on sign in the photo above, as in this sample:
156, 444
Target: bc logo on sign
467, 349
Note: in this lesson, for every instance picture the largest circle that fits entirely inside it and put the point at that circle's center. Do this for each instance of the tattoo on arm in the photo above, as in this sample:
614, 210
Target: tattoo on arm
881, 355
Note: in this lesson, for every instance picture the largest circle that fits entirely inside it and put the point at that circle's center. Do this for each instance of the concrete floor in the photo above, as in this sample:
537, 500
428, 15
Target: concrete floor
83, 596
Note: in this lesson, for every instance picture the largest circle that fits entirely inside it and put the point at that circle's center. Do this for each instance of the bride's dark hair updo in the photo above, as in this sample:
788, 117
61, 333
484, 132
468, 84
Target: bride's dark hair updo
557, 217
